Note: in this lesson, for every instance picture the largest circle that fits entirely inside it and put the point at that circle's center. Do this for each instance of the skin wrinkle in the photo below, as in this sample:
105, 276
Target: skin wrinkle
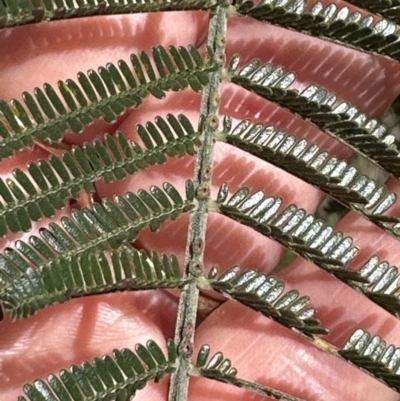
87, 340
331, 302
237, 319
157, 321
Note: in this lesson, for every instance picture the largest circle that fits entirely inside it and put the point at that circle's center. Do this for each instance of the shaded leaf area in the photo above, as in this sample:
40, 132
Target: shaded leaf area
48, 184
372, 354
89, 274
106, 225
383, 284
106, 94
387, 8
328, 22
265, 295
220, 368
332, 175
14, 12
292, 227
315, 104
112, 377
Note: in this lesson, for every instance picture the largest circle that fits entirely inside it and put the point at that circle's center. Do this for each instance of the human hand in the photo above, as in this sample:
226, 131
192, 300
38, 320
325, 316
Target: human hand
261, 349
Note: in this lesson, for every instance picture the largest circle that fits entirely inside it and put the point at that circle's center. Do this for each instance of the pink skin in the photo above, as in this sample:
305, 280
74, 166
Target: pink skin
84, 328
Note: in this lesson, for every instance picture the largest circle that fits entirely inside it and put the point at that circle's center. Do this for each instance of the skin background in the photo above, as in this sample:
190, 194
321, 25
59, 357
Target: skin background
260, 349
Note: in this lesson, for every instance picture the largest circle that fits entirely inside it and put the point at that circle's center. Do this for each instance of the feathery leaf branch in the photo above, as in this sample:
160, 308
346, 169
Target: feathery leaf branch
50, 183
89, 274
265, 295
383, 285
341, 121
15, 13
115, 377
373, 355
387, 8
293, 228
328, 22
219, 368
106, 94
335, 177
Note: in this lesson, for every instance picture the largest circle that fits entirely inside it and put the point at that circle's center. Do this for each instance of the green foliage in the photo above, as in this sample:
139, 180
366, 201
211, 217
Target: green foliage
343, 121
14, 13
373, 355
115, 377
383, 284
106, 94
265, 295
90, 253
217, 363
388, 8
89, 274
334, 176
50, 183
310, 238
293, 228
220, 368
330, 22
110, 224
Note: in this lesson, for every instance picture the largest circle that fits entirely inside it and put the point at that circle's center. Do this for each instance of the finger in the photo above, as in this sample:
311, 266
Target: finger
77, 331
339, 307
59, 50
274, 356
368, 82
228, 228
250, 172
67, 334
80, 330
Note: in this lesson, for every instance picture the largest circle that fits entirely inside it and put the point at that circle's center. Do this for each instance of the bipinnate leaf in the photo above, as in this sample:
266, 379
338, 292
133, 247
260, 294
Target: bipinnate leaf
108, 93
48, 184
106, 225
342, 121
329, 21
266, 295
293, 228
112, 377
372, 354
16, 13
89, 274
91, 251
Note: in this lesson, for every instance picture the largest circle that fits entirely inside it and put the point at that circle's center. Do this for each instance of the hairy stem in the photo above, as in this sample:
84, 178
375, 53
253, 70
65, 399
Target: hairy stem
188, 304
